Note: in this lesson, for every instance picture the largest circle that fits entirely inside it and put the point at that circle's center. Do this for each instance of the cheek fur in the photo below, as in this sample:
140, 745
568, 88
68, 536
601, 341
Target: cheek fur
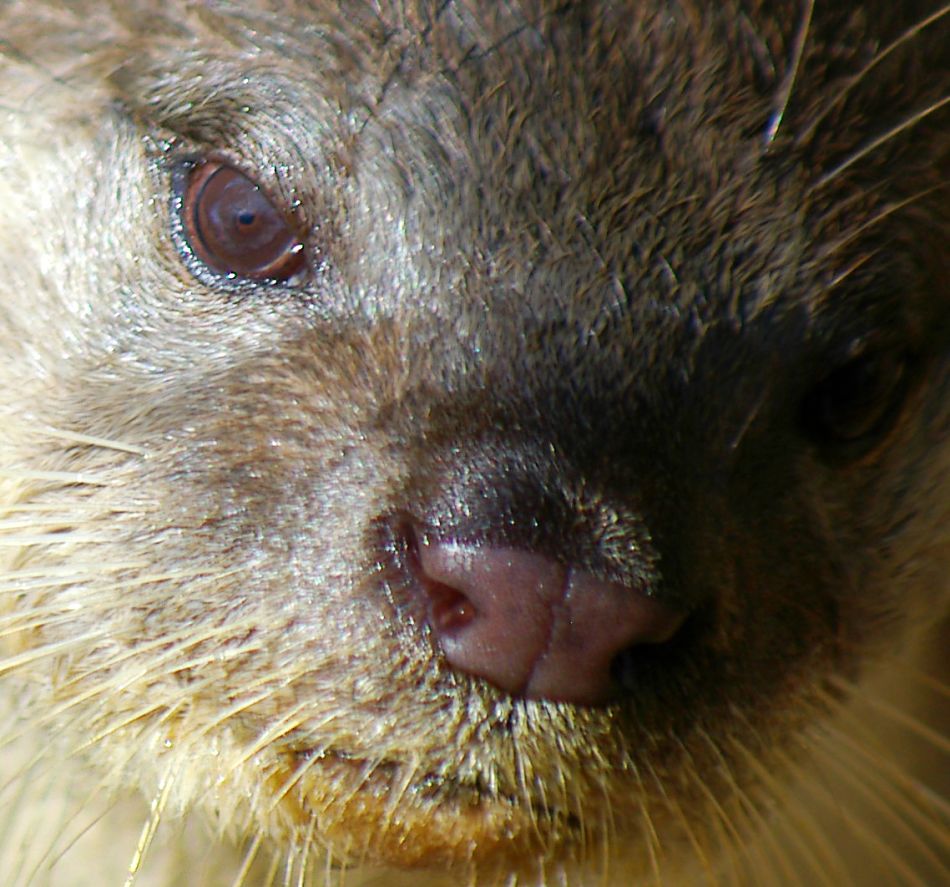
487, 544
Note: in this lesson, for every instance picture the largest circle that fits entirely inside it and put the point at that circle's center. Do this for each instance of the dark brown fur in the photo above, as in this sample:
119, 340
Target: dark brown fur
576, 273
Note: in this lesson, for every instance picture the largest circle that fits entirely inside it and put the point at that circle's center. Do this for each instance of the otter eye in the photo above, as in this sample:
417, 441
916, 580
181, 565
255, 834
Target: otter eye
232, 226
860, 400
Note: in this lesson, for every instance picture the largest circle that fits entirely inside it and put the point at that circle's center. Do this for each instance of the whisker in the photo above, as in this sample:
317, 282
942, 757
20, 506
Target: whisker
734, 843
820, 790
649, 830
879, 57
815, 847
54, 508
156, 812
729, 777
140, 578
55, 854
788, 81
410, 770
171, 649
286, 724
77, 478
53, 539
858, 778
138, 716
269, 879
879, 217
690, 832
608, 831
307, 763
874, 144
857, 763
250, 855
306, 849
88, 440
846, 272
81, 573
914, 725
942, 688
885, 767
9, 524
75, 700
54, 648
33, 620
758, 824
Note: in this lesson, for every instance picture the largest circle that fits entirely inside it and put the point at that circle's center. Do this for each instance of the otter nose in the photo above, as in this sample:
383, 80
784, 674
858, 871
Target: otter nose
530, 625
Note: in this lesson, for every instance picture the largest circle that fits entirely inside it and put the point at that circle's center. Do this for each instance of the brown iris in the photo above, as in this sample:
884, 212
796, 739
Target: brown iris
234, 228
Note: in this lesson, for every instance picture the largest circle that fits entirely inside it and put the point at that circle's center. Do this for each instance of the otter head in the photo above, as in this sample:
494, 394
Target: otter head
469, 439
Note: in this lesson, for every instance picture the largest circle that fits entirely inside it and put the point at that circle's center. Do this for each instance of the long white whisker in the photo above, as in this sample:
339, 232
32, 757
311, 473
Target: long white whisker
61, 477
54, 648
88, 440
240, 879
159, 802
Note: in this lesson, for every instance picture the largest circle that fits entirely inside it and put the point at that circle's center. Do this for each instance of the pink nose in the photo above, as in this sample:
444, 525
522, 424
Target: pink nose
532, 626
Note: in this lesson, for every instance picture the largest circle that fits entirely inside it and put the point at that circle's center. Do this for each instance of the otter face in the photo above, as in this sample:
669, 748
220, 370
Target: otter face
486, 443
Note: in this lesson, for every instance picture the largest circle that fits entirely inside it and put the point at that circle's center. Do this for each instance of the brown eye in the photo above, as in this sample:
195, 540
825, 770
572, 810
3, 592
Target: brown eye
859, 401
233, 227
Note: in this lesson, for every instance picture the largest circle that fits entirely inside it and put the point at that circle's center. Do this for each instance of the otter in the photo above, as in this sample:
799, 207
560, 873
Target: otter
455, 443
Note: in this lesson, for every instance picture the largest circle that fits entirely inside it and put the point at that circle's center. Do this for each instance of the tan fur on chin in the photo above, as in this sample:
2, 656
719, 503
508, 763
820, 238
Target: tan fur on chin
592, 281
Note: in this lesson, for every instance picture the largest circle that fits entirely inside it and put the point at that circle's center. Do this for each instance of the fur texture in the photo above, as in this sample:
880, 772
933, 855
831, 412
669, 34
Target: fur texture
660, 289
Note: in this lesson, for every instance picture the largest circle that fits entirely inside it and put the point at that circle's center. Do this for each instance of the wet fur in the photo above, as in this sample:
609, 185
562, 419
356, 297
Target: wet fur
634, 233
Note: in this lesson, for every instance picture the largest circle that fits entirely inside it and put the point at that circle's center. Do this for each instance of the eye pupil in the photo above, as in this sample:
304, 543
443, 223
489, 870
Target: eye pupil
234, 228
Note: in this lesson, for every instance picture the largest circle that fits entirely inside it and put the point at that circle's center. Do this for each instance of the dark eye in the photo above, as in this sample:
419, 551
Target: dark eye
859, 401
232, 226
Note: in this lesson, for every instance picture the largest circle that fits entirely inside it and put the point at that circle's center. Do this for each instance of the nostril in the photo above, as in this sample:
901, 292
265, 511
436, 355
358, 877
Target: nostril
529, 624
447, 608
654, 664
